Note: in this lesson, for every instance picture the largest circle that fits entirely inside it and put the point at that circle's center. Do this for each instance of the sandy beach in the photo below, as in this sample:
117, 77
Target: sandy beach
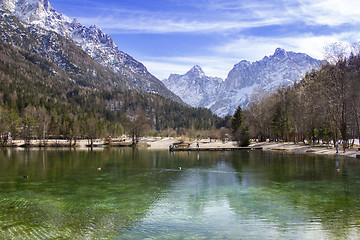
164, 143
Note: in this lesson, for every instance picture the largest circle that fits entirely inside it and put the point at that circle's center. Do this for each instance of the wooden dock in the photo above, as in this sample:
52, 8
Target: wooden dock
216, 149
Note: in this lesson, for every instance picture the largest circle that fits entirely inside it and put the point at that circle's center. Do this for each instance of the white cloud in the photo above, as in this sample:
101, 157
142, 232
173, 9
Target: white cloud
229, 19
252, 48
218, 16
163, 69
330, 12
213, 66
146, 24
206, 17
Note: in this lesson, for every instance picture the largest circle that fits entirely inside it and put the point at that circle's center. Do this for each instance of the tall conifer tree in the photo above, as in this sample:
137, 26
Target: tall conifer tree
239, 128
236, 120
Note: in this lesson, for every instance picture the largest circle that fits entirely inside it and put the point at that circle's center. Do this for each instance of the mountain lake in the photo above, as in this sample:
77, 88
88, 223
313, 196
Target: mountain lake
145, 194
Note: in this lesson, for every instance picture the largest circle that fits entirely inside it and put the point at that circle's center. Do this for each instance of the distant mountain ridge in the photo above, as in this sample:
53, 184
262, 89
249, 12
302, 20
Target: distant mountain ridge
223, 97
42, 18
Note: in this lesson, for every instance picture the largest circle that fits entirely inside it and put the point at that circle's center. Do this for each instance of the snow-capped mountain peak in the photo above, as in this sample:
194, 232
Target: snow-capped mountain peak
96, 43
39, 13
26, 8
194, 87
196, 71
279, 51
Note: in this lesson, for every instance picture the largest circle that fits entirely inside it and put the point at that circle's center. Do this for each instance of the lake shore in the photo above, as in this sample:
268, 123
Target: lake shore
158, 143
304, 148
267, 146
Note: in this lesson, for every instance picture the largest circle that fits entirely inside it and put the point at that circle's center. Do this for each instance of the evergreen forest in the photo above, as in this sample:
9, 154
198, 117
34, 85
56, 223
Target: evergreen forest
38, 100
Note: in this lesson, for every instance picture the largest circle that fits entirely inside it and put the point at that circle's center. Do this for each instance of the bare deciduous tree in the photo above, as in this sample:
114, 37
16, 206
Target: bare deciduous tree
137, 125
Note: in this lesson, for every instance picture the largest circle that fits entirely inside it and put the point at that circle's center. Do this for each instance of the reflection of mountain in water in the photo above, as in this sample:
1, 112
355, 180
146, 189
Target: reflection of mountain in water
247, 195
143, 194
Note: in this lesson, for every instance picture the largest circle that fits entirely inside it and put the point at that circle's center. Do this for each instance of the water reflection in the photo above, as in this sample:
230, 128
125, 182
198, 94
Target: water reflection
157, 194
253, 196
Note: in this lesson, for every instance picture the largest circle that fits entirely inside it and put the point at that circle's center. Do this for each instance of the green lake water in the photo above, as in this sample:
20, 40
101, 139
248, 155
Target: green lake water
142, 194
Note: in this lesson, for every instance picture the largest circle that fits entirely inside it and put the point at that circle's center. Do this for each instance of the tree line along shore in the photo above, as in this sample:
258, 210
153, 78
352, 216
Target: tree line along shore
158, 143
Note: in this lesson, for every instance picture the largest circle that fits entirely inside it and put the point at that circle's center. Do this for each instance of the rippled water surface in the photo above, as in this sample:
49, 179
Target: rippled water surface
141, 194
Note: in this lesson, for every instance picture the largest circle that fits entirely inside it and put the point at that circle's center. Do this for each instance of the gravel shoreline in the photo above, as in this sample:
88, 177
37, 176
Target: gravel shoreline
267, 146
164, 143
303, 148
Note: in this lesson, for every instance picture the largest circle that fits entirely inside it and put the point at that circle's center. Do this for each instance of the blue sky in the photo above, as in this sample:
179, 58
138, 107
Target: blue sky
171, 36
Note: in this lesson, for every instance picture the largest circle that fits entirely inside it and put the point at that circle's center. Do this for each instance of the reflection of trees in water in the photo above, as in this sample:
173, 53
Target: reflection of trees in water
302, 189
66, 195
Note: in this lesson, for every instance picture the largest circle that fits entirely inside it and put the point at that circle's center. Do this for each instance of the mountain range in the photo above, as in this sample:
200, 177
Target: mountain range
51, 31
90, 58
222, 97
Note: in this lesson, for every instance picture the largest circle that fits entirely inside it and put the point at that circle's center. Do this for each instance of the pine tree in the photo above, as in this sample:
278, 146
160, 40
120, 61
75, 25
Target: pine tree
244, 136
240, 129
236, 120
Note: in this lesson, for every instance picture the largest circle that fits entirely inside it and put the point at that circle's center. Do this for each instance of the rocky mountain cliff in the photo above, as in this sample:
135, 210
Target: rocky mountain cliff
194, 87
40, 19
223, 97
61, 52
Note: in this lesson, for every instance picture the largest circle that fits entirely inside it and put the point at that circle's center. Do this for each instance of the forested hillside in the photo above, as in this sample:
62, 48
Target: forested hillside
49, 87
36, 96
